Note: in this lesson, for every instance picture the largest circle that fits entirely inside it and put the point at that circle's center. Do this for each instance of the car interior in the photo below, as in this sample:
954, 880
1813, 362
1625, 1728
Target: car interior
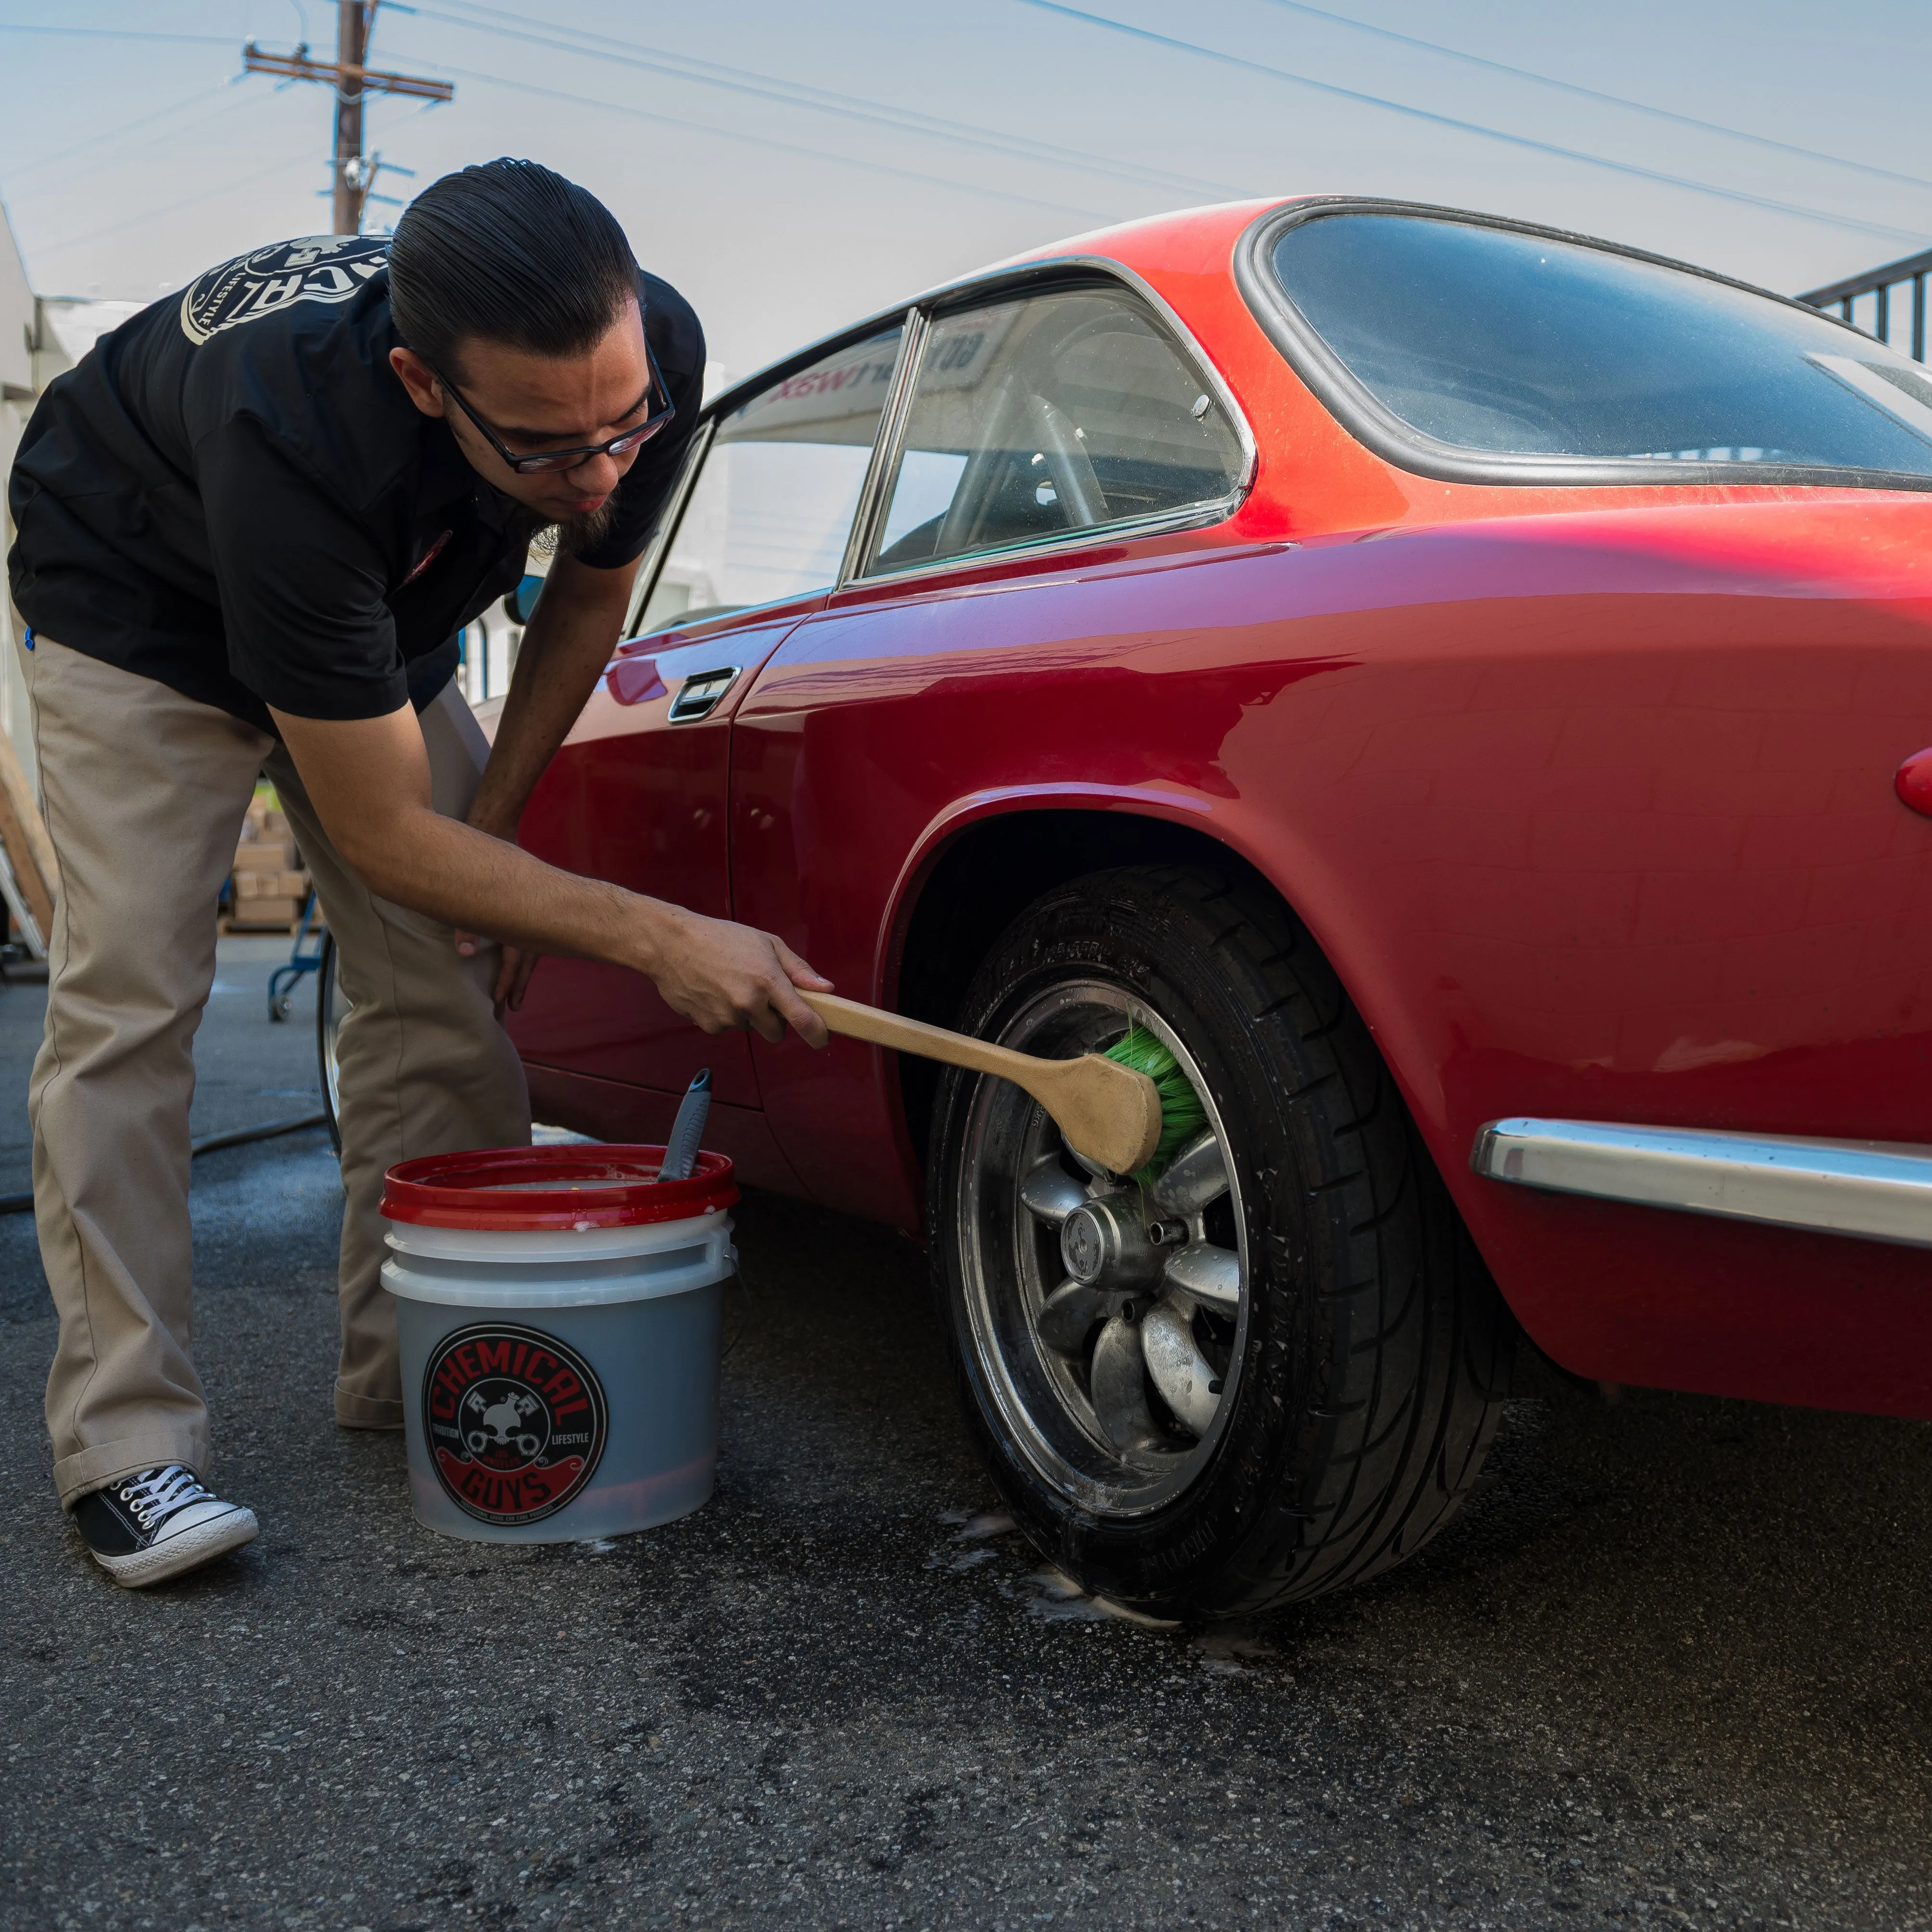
1081, 414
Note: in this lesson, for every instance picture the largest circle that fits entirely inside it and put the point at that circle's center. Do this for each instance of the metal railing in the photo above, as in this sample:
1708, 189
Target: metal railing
1879, 284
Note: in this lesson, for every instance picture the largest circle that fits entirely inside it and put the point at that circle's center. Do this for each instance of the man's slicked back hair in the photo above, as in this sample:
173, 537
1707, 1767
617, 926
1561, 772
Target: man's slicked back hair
510, 252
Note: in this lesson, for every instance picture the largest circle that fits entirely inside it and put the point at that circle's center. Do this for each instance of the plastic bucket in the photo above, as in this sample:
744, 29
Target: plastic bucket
558, 1311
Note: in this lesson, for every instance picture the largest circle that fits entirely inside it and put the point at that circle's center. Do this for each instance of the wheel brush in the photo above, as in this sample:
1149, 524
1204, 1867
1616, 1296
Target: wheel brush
1182, 1115
1111, 1107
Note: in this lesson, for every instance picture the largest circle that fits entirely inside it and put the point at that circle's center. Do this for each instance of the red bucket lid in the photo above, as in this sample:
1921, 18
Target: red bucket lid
530, 1188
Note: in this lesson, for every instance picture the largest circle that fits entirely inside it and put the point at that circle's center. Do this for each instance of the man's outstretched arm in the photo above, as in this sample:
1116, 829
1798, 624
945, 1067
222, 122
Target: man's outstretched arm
369, 781
566, 645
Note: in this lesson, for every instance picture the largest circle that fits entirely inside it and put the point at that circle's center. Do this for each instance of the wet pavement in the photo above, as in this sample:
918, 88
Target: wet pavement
1671, 1669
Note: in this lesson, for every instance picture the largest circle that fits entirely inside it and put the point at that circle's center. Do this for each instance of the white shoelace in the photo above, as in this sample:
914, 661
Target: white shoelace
155, 1497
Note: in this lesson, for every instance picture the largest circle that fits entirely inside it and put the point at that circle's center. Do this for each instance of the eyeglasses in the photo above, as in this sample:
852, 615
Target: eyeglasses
568, 459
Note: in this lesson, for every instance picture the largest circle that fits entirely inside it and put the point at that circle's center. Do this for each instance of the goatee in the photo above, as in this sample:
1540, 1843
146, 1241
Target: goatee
575, 535
570, 536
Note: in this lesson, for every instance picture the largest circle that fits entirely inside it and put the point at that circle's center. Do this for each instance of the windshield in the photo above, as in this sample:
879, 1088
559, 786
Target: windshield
1488, 339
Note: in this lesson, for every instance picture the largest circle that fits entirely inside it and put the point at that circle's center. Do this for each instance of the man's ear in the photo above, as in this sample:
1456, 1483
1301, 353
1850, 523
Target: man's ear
419, 379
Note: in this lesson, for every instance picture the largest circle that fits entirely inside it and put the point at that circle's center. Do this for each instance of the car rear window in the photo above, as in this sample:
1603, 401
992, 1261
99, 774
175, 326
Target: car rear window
1493, 340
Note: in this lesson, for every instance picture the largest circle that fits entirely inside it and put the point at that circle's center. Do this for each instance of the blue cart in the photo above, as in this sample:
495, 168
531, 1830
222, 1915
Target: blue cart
307, 957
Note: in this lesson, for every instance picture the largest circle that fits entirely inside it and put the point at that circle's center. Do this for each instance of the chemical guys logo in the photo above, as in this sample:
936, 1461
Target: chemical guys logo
515, 1421
319, 269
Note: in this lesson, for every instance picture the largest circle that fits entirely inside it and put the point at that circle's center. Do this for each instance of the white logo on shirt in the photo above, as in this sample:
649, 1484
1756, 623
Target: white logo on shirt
316, 268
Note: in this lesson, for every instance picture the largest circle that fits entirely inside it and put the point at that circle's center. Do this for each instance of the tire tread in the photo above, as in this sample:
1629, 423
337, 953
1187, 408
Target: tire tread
1413, 1339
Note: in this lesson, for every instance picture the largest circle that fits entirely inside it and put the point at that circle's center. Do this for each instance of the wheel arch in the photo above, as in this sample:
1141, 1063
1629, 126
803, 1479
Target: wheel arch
1381, 1354
980, 864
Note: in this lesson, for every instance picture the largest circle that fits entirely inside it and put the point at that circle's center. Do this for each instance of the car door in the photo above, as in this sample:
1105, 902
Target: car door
1064, 451
752, 542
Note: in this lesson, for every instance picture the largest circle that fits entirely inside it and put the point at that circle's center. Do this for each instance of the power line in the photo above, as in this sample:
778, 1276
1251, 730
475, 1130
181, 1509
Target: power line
111, 33
764, 141
1471, 127
68, 241
666, 120
1597, 94
741, 80
130, 126
823, 100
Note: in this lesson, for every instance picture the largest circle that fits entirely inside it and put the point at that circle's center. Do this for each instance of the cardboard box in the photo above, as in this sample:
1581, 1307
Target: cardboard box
250, 885
264, 821
266, 855
278, 914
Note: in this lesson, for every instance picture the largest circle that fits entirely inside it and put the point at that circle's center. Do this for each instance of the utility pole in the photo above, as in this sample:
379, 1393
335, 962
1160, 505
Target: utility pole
351, 80
352, 44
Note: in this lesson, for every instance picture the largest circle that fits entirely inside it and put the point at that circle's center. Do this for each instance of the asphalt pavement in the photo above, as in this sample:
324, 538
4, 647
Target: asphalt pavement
1671, 1668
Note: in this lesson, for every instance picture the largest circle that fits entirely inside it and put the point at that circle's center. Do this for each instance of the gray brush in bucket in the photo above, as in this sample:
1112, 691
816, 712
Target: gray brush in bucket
687, 1130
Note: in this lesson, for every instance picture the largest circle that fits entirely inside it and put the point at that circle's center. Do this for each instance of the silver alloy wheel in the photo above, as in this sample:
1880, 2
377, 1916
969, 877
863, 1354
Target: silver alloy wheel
1107, 1319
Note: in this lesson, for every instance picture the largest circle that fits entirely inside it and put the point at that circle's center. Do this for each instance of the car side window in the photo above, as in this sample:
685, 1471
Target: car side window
771, 509
1050, 414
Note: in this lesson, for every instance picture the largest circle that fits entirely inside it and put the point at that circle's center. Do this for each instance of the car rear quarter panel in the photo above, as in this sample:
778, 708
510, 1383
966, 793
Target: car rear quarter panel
1592, 813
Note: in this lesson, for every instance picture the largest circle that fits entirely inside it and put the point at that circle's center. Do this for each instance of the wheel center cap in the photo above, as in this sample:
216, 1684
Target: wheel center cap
1104, 1245
1083, 1245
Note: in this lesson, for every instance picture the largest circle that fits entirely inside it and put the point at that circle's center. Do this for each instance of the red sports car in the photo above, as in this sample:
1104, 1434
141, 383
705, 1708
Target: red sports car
1456, 683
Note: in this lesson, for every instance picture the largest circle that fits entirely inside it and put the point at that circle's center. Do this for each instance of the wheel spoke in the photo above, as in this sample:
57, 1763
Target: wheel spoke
1117, 1380
1178, 1370
1067, 1315
1099, 1173
1195, 1176
1050, 1193
1207, 1273
1061, 1262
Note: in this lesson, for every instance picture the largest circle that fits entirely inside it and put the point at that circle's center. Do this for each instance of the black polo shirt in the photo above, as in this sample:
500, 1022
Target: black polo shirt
233, 494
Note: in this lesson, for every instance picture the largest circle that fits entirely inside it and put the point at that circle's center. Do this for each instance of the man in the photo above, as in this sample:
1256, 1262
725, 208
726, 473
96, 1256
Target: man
250, 523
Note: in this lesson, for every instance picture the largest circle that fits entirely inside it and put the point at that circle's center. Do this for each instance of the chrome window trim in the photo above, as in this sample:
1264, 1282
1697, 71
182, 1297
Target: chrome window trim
1195, 516
1103, 268
1042, 278
985, 286
986, 283
1356, 407
885, 444
1871, 1190
665, 533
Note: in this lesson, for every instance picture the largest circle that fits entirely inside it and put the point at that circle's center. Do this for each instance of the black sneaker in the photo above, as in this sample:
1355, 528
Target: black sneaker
158, 1523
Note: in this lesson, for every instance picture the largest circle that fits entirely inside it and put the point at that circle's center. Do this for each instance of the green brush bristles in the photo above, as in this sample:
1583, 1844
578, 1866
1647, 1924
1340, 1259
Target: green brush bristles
1182, 1115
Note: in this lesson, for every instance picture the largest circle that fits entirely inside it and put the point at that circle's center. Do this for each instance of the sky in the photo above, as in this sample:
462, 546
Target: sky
792, 167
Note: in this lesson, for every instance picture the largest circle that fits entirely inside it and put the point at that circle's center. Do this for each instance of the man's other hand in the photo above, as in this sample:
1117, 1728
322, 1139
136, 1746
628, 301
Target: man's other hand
513, 974
518, 962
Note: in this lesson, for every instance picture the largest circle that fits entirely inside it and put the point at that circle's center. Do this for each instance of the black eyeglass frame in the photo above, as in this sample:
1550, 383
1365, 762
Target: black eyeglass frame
545, 460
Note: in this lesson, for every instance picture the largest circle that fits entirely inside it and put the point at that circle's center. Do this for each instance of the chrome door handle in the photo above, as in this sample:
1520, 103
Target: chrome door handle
701, 693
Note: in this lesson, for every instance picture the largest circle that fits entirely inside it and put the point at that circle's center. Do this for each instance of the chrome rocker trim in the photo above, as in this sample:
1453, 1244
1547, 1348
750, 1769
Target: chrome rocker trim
1876, 1190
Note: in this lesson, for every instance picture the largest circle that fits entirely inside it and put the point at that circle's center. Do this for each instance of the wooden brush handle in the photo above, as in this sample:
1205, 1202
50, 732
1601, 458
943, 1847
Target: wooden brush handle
1108, 1112
930, 1042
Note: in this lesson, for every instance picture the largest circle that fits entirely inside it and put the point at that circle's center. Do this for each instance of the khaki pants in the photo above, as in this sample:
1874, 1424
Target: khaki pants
145, 792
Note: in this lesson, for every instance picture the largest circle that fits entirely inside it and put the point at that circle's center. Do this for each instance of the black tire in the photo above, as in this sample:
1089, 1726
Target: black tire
1364, 1375
329, 1008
